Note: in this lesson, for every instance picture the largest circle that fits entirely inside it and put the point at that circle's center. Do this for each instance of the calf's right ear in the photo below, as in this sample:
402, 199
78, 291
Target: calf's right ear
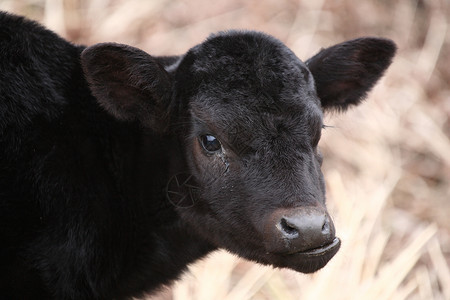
129, 83
346, 72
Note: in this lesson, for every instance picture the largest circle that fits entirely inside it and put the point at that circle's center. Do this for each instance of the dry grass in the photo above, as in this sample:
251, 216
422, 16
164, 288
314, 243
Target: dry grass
387, 162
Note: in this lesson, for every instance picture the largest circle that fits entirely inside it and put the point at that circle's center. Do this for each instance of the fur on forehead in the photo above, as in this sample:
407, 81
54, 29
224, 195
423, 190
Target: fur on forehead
243, 65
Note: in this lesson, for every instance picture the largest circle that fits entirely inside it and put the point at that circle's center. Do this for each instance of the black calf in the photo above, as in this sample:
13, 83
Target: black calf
118, 169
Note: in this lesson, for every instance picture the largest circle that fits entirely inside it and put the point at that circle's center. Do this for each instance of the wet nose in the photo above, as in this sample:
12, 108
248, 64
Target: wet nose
297, 230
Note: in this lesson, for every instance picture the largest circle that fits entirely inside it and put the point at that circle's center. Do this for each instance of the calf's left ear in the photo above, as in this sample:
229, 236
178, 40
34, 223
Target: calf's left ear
346, 72
129, 83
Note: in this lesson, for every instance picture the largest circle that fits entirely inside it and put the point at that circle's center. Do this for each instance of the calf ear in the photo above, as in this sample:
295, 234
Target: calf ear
346, 72
129, 83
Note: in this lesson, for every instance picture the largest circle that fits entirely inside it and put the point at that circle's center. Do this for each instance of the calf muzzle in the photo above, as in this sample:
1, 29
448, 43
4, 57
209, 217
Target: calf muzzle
303, 229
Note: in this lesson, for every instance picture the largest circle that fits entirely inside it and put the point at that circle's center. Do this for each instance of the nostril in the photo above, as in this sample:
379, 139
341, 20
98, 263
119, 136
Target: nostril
326, 226
289, 229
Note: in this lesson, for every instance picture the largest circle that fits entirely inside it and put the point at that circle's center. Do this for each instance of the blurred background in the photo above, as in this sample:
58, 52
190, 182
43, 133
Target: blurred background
387, 162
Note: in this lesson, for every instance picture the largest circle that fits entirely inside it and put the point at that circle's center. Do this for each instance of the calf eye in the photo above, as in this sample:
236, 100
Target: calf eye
210, 143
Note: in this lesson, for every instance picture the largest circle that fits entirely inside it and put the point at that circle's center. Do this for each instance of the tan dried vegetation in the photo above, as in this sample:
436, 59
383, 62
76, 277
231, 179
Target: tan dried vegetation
387, 162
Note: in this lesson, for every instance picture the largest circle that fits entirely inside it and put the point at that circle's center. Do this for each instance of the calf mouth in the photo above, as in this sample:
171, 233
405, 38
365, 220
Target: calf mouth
329, 249
308, 261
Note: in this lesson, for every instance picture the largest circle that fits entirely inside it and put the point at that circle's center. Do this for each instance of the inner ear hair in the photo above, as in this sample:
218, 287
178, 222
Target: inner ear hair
129, 83
346, 72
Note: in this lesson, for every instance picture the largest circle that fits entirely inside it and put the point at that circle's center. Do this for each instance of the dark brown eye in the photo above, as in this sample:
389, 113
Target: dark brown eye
210, 143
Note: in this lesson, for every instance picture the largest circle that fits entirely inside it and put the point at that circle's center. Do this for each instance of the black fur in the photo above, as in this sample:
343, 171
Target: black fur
113, 196
344, 73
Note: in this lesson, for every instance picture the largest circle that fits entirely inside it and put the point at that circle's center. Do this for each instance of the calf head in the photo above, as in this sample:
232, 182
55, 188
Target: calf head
248, 115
